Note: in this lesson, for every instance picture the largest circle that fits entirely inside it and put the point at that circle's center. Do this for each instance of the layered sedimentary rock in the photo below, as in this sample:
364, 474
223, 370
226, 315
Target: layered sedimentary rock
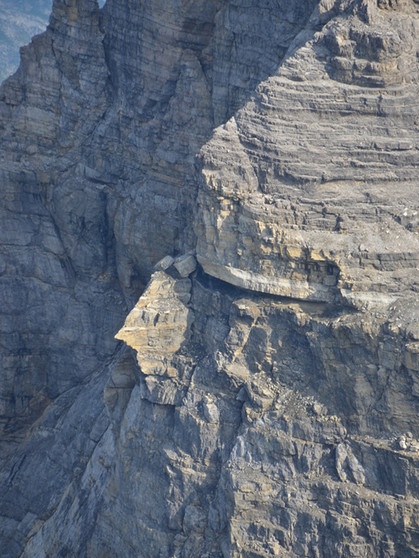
294, 432
19, 21
310, 190
249, 168
100, 126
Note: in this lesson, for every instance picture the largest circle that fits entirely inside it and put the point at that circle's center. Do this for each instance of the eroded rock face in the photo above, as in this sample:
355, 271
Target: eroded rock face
157, 328
269, 406
57, 267
19, 21
310, 190
286, 435
100, 126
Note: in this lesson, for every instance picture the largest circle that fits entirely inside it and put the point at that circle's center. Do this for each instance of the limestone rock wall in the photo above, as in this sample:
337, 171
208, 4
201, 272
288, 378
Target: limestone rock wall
268, 404
310, 190
56, 266
100, 126
295, 433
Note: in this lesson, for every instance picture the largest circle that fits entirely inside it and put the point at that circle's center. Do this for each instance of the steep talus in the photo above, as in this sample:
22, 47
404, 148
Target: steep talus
250, 169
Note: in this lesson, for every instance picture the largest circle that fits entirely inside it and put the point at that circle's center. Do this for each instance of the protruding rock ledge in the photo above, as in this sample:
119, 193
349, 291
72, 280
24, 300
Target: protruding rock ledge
158, 326
158, 323
281, 286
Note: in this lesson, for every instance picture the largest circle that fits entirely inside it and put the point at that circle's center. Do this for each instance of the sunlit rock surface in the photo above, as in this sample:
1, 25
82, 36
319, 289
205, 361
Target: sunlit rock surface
310, 190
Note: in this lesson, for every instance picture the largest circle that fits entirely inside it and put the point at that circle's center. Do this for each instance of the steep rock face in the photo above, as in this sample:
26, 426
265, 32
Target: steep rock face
310, 190
54, 275
101, 121
19, 21
295, 433
252, 424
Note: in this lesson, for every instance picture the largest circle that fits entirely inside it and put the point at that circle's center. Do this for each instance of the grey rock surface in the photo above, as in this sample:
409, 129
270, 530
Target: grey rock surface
267, 404
310, 190
20, 20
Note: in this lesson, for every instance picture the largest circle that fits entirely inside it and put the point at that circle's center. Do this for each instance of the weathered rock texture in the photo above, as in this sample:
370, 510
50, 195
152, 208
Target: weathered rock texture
270, 405
20, 20
310, 190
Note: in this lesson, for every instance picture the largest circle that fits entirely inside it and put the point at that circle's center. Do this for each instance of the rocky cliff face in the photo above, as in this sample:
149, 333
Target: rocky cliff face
249, 169
19, 21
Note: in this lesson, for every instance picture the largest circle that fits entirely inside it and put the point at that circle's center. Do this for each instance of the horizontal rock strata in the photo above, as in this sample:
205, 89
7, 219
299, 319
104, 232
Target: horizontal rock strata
237, 180
310, 190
